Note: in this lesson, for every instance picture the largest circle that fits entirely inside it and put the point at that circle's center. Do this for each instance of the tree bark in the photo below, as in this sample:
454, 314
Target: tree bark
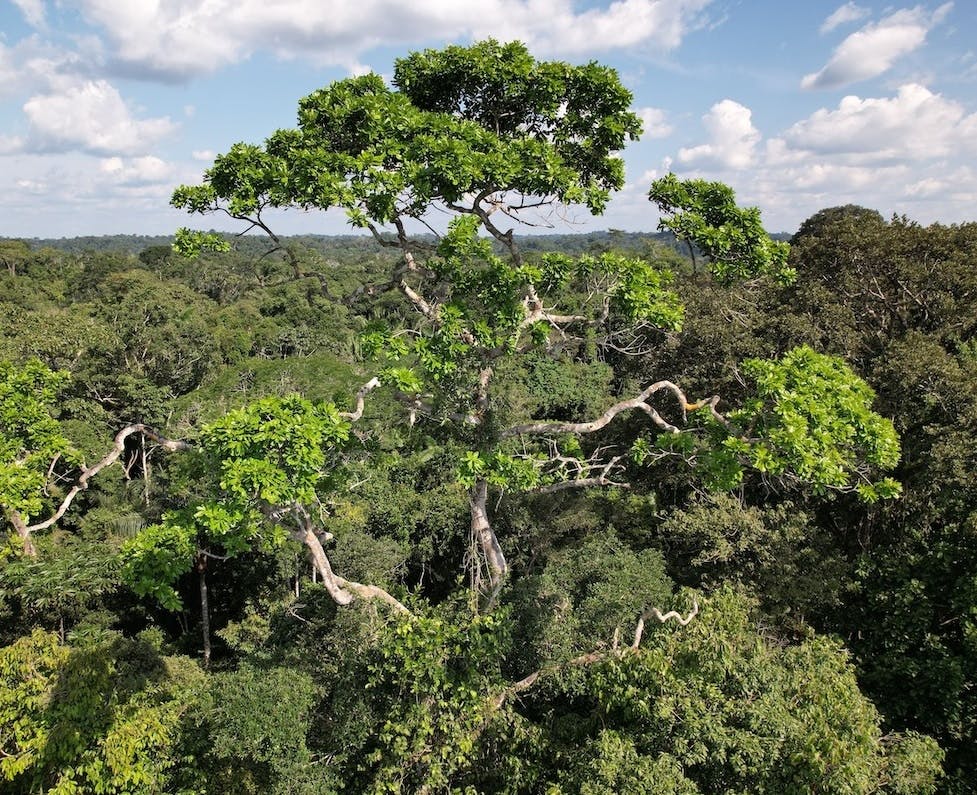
204, 605
342, 591
487, 540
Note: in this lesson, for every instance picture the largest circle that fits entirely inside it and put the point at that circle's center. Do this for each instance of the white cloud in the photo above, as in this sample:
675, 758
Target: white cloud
137, 171
32, 186
33, 11
654, 122
733, 138
904, 154
90, 116
916, 124
78, 194
849, 12
203, 155
875, 48
175, 39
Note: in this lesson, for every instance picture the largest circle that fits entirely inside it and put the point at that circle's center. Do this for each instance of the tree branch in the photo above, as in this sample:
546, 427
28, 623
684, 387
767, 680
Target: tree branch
87, 473
601, 479
594, 657
364, 390
639, 403
342, 591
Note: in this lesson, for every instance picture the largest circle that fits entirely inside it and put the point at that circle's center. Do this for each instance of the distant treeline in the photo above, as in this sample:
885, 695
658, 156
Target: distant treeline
334, 245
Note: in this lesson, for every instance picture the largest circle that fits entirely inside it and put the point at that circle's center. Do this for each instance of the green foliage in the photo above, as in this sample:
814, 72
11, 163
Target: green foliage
256, 720
778, 551
270, 455
31, 439
66, 581
585, 596
811, 419
364, 147
429, 679
717, 707
310, 698
190, 243
100, 719
705, 214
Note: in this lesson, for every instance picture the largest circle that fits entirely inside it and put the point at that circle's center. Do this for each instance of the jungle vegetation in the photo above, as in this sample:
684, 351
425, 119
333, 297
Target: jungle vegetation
445, 507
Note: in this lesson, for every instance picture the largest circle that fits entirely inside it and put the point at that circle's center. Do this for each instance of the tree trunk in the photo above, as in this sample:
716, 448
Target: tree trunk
204, 605
24, 532
145, 469
487, 541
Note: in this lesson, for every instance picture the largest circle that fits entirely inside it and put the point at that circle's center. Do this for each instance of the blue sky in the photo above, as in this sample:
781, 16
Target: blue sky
107, 105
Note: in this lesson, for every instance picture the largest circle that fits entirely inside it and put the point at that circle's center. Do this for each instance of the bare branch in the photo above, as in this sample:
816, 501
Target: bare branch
662, 618
639, 403
598, 656
603, 478
368, 387
87, 473
342, 591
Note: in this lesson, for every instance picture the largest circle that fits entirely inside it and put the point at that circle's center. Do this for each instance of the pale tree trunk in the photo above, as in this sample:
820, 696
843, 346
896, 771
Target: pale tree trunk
204, 605
488, 542
24, 532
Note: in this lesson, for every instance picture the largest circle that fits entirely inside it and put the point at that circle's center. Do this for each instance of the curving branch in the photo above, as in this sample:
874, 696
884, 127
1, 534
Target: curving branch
661, 617
364, 390
342, 591
591, 658
639, 403
25, 530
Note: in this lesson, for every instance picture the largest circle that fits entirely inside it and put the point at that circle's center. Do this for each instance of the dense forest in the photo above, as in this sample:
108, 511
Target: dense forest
469, 511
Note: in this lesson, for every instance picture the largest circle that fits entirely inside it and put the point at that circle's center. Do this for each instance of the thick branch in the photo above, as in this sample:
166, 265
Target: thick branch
637, 403
87, 473
342, 591
368, 387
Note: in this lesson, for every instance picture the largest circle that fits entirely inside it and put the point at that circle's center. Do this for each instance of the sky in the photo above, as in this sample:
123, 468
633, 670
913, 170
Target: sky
107, 105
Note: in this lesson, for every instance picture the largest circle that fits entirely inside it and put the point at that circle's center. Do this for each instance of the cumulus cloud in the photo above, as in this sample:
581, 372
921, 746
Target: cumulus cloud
915, 124
33, 11
148, 170
876, 47
732, 138
174, 39
654, 122
90, 116
904, 153
849, 12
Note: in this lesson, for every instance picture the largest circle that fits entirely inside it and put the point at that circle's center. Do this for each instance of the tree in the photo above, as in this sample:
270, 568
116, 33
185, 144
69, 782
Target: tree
37, 458
488, 135
104, 718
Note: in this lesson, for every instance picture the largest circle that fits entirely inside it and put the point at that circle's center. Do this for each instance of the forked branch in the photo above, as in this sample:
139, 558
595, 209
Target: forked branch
594, 657
25, 530
639, 403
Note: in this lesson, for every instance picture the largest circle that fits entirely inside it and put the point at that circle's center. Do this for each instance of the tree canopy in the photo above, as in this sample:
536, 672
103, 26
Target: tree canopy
462, 515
